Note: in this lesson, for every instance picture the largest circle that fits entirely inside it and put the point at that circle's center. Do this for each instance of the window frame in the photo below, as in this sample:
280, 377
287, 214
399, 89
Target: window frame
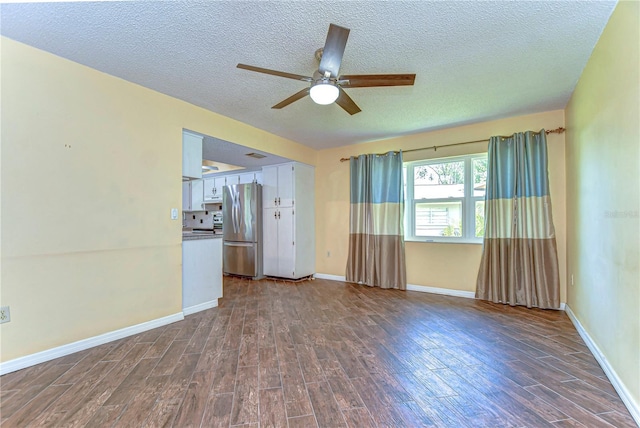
468, 201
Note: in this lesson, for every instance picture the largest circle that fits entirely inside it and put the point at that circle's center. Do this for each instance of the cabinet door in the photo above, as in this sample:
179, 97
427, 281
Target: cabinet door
197, 195
286, 253
219, 185
246, 178
258, 176
186, 196
209, 189
285, 185
270, 187
270, 254
191, 155
232, 179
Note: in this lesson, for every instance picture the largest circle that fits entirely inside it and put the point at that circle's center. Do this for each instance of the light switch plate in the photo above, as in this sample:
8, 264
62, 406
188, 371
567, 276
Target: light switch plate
174, 213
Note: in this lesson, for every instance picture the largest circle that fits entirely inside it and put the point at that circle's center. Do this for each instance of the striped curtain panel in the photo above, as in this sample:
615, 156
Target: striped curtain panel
376, 230
519, 258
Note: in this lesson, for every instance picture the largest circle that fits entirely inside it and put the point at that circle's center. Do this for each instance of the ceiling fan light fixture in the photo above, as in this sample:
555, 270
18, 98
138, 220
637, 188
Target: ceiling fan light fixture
324, 93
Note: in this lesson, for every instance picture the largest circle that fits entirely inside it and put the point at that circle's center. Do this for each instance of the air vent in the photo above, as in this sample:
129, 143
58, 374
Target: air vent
255, 155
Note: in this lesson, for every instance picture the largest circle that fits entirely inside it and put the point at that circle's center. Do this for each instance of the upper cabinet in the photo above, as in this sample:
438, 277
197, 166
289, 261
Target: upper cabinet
213, 188
250, 177
191, 155
192, 195
277, 185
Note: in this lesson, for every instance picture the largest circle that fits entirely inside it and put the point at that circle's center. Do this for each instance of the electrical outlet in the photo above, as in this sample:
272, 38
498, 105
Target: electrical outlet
571, 279
174, 213
5, 315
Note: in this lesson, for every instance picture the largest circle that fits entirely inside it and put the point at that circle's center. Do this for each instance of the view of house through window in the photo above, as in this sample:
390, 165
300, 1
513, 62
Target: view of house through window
445, 199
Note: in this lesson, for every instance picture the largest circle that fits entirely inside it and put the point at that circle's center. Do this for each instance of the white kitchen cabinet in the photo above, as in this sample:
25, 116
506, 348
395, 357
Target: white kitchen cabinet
278, 184
191, 155
201, 274
250, 177
288, 220
232, 179
213, 188
192, 195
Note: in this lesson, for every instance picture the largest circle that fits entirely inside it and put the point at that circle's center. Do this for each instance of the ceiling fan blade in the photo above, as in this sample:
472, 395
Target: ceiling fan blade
371, 80
275, 72
295, 97
333, 50
347, 103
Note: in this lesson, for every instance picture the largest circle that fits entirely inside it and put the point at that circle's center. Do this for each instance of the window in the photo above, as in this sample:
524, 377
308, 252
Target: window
445, 199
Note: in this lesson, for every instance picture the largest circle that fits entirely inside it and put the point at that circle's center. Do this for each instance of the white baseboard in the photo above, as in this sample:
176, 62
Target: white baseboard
81, 345
200, 307
411, 287
421, 288
621, 389
330, 277
443, 291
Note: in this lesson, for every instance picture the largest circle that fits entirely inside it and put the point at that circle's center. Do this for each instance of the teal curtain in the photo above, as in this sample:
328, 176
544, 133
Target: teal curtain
519, 263
376, 230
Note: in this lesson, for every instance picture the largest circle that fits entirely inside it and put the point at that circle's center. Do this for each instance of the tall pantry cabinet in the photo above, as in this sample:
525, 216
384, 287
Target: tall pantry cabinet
288, 221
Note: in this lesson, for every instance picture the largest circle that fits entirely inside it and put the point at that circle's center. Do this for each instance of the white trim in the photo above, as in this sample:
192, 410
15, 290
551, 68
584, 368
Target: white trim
81, 345
443, 291
411, 287
420, 288
330, 277
200, 307
621, 389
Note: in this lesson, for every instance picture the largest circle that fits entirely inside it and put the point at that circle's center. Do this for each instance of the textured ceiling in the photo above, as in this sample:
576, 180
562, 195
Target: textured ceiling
474, 61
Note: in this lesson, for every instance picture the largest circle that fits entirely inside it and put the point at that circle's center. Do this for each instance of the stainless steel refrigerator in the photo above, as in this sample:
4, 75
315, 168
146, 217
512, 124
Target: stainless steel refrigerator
242, 230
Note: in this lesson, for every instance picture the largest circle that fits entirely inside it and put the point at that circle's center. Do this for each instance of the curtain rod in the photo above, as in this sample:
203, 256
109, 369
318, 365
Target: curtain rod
551, 131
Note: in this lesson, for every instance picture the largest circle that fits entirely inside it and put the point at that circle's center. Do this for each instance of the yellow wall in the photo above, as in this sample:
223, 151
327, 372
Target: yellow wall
90, 170
603, 186
451, 266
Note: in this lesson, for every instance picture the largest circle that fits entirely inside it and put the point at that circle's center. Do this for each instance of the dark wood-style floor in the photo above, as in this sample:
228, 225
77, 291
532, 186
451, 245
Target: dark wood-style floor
328, 354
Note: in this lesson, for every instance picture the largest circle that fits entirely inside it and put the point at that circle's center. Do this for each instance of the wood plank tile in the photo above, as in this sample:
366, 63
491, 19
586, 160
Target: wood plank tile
295, 391
105, 416
77, 391
133, 383
272, 408
84, 410
309, 364
343, 391
33, 408
170, 398
140, 405
308, 421
325, 407
168, 362
618, 419
248, 355
225, 372
33, 388
195, 401
367, 357
568, 407
161, 345
269, 369
358, 418
245, 398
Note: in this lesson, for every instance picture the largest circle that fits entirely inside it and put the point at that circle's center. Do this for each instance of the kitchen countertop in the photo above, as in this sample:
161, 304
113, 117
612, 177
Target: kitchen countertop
189, 235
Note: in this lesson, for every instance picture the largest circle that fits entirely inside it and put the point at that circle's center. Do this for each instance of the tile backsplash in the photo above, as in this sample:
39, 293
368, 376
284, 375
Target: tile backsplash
200, 219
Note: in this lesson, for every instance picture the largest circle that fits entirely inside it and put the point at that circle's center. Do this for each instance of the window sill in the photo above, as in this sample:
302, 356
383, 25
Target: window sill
444, 241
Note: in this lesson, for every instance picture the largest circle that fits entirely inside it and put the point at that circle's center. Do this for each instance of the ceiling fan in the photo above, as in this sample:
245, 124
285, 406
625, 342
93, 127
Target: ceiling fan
326, 86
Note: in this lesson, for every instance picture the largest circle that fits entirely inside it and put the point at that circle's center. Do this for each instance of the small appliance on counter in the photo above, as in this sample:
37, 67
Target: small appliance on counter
217, 222
242, 230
